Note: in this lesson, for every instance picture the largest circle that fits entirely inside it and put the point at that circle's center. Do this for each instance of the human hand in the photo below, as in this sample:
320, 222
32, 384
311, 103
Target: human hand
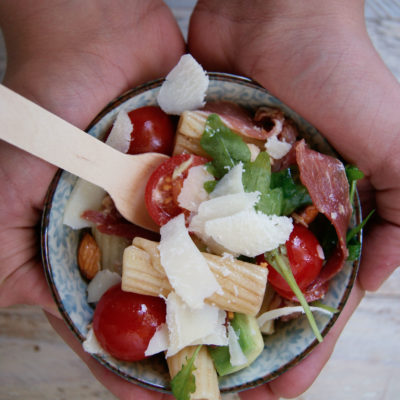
72, 58
317, 58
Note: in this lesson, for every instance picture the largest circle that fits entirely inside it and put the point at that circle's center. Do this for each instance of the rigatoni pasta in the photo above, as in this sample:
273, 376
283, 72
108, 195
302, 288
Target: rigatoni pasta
243, 284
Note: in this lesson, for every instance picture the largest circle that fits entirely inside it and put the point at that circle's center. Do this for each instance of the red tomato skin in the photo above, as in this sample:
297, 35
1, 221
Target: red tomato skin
124, 322
162, 191
304, 258
153, 131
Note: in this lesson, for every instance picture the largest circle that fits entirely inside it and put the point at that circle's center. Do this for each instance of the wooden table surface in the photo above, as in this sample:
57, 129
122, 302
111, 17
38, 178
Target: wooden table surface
36, 364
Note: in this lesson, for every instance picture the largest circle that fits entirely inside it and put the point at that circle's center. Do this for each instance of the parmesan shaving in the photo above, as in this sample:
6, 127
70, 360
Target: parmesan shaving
187, 326
184, 87
259, 233
277, 148
159, 342
236, 354
193, 192
186, 268
231, 183
120, 134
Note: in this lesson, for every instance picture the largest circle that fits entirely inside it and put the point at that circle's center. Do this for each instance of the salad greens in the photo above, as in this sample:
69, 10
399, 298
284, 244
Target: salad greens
294, 194
277, 259
280, 192
184, 382
224, 146
353, 175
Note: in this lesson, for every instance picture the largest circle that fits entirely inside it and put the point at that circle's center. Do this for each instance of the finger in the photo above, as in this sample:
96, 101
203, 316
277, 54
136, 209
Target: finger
259, 393
27, 285
121, 388
380, 255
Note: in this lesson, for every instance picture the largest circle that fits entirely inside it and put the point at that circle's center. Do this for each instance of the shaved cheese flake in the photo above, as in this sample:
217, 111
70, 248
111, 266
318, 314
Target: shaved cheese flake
187, 326
249, 232
120, 134
231, 183
193, 192
219, 335
236, 354
186, 268
254, 151
184, 87
84, 196
91, 345
281, 312
276, 148
222, 206
159, 342
102, 281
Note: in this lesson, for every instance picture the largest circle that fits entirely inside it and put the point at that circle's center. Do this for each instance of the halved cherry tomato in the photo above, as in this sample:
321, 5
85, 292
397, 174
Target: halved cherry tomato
304, 255
124, 322
164, 186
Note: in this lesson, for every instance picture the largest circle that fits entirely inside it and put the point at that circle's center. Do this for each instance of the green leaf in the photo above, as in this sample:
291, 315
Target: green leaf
353, 245
354, 251
184, 382
354, 231
281, 264
225, 147
294, 194
257, 178
270, 203
209, 186
353, 175
257, 174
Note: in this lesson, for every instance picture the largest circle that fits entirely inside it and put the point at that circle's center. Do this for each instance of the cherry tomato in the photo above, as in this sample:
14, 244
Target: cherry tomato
304, 255
124, 322
163, 187
153, 131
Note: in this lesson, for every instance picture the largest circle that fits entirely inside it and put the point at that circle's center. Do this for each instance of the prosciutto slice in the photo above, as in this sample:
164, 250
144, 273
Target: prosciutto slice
109, 221
326, 181
236, 118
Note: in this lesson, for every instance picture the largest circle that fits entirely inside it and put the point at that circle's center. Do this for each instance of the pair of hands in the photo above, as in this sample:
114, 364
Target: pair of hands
74, 57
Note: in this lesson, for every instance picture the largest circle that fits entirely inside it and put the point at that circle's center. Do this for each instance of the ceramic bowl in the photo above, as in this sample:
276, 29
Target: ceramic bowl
290, 343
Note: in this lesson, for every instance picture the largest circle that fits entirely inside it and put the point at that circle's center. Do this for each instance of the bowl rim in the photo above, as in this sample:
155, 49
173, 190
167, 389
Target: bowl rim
218, 76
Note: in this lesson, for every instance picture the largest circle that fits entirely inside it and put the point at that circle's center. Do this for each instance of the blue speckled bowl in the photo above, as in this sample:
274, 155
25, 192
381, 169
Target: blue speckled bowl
291, 342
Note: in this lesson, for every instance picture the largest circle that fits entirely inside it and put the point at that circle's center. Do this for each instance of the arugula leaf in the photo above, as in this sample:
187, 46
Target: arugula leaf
224, 146
294, 194
209, 186
270, 203
256, 178
353, 175
353, 245
184, 382
353, 232
257, 174
280, 263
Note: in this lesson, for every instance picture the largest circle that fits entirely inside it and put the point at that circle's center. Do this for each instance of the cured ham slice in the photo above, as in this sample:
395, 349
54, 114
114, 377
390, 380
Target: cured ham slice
236, 118
109, 221
326, 181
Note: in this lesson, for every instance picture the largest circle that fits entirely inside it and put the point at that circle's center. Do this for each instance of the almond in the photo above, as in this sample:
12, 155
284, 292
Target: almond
88, 256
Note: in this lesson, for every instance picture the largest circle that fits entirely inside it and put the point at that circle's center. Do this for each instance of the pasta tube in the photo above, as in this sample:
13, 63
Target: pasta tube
243, 284
204, 373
